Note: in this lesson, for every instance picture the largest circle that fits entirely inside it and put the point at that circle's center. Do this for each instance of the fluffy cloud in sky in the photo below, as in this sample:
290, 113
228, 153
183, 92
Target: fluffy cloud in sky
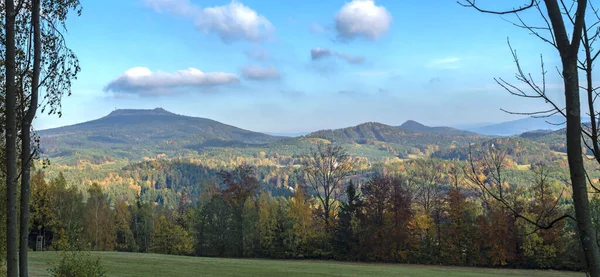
142, 81
362, 18
230, 22
256, 72
321, 53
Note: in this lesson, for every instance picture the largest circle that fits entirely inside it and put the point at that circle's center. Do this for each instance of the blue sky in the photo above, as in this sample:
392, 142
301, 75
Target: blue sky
296, 66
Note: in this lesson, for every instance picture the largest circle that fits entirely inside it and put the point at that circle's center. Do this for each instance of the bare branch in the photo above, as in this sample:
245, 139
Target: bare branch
535, 30
472, 4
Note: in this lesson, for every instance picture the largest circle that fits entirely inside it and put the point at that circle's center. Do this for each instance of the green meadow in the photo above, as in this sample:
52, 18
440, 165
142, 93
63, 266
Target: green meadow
138, 264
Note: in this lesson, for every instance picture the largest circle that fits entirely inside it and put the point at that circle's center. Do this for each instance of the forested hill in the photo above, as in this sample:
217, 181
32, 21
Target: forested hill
157, 124
138, 133
376, 132
412, 125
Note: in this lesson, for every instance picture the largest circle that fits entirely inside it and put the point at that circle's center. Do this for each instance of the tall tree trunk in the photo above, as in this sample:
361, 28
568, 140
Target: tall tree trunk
11, 145
26, 154
25, 193
569, 51
241, 231
587, 234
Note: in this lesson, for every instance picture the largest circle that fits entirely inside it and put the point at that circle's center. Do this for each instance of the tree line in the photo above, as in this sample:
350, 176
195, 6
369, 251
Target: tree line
430, 213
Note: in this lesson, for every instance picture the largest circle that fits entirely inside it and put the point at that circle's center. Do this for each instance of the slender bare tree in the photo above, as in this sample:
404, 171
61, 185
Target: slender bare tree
325, 170
566, 30
485, 172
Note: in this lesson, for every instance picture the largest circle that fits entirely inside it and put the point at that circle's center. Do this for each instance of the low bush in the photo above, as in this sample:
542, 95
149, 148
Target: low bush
77, 264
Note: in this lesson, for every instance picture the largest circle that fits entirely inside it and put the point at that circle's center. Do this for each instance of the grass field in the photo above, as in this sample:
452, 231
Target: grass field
135, 264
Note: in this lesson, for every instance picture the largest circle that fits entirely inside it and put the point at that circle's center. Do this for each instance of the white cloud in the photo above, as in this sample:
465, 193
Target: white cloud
141, 80
230, 22
362, 18
446, 60
445, 63
321, 53
256, 72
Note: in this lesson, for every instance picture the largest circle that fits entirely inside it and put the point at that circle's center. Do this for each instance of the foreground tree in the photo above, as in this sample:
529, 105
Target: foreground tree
2, 228
42, 215
562, 19
142, 224
273, 226
387, 213
240, 185
99, 221
68, 215
26, 155
35, 58
346, 242
214, 228
51, 66
124, 236
10, 132
325, 170
304, 229
170, 238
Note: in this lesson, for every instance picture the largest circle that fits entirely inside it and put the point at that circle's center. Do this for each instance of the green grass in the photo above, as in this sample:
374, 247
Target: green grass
136, 264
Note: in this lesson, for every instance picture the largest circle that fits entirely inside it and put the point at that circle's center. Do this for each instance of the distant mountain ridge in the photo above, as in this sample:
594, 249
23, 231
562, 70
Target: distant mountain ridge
137, 134
519, 126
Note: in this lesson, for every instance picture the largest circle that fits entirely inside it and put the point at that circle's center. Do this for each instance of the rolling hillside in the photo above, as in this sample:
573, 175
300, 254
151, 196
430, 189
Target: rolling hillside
138, 134
520, 150
556, 140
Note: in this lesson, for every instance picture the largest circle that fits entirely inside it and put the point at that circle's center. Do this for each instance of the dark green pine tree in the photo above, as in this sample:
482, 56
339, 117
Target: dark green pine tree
345, 238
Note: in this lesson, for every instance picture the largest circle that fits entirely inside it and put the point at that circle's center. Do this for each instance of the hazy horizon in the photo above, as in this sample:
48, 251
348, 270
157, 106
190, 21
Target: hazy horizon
471, 126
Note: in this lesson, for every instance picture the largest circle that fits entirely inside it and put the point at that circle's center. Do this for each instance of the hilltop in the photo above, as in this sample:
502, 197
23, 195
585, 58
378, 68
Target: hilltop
411, 125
